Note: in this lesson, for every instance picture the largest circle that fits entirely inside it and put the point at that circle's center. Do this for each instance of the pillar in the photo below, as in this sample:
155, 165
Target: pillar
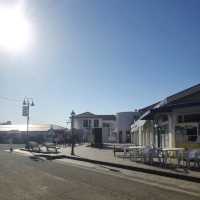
172, 123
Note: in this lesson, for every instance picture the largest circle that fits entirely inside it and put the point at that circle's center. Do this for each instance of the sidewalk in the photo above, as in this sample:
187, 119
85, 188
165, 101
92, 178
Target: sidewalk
106, 157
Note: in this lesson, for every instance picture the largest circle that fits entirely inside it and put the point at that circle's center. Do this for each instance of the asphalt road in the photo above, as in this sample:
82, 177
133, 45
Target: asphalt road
30, 178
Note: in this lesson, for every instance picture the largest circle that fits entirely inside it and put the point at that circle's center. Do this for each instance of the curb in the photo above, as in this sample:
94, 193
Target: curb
127, 167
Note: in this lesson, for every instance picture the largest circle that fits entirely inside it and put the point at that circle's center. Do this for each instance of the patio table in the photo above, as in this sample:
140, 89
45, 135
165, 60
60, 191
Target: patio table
170, 152
135, 151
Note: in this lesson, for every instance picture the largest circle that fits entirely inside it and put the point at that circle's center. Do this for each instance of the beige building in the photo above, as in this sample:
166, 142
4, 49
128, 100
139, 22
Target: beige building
172, 122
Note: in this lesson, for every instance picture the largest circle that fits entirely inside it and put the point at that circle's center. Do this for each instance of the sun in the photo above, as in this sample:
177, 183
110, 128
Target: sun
15, 30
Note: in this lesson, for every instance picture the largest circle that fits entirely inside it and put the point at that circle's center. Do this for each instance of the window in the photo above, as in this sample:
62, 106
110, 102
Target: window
180, 119
96, 123
192, 118
106, 125
86, 123
192, 134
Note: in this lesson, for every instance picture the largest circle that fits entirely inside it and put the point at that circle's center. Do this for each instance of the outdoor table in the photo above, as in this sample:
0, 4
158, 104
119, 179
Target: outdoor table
135, 149
169, 152
130, 148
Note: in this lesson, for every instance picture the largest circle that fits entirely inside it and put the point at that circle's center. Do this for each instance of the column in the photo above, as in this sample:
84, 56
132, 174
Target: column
172, 123
140, 136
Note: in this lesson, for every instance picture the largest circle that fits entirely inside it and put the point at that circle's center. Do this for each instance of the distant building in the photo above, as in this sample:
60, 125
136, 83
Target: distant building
88, 122
37, 132
123, 125
6, 123
110, 128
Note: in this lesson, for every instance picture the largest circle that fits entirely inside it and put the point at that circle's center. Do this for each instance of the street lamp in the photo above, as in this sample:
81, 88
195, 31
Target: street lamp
27, 102
72, 130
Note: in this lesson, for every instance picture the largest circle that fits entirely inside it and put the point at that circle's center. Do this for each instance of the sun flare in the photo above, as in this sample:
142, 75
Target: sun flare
15, 30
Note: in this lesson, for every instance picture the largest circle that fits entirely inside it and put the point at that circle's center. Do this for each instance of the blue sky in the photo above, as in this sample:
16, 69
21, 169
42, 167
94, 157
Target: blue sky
102, 56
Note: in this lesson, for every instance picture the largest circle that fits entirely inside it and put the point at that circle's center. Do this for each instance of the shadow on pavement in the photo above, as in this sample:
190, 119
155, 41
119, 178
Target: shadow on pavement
36, 158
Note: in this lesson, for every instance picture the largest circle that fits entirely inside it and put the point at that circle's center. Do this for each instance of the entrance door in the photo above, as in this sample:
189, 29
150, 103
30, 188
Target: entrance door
97, 133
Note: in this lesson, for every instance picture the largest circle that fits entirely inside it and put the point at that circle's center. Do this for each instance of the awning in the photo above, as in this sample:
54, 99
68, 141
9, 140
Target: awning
149, 115
137, 124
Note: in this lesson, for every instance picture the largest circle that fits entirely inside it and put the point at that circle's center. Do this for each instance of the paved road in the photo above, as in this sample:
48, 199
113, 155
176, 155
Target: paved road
28, 178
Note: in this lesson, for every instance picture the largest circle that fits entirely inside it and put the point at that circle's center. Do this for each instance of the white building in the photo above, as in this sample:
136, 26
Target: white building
172, 122
123, 125
113, 128
89, 122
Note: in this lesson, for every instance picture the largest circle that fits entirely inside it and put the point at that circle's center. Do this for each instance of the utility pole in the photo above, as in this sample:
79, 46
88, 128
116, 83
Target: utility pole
25, 112
72, 130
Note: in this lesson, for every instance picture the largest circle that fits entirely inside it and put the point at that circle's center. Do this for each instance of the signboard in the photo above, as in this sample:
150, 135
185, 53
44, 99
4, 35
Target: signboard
25, 111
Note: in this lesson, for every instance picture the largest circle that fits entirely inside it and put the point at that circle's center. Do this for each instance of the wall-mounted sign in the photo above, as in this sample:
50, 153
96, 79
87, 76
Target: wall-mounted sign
25, 111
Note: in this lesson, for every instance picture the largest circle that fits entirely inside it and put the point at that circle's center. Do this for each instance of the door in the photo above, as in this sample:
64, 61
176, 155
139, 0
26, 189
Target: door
97, 133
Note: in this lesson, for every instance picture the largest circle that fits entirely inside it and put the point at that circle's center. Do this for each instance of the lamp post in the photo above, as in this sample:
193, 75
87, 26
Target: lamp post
157, 129
72, 130
27, 102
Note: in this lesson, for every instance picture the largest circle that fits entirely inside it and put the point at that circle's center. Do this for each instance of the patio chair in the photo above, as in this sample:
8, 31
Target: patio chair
181, 157
150, 153
192, 155
136, 154
147, 154
120, 149
156, 153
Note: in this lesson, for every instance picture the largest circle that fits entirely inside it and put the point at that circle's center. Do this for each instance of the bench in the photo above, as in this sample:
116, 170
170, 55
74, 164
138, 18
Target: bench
32, 145
117, 149
51, 146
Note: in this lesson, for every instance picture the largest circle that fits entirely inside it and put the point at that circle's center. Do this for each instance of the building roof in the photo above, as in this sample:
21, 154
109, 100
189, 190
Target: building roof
32, 127
107, 117
143, 110
85, 114
183, 93
91, 115
171, 102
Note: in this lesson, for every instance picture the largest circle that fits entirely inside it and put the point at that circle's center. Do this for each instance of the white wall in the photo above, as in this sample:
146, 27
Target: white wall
123, 123
106, 132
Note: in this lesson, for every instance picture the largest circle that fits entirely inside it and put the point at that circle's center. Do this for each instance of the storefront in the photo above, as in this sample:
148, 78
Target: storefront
172, 122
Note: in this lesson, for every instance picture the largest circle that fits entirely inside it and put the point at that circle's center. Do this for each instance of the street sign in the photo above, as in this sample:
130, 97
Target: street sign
25, 111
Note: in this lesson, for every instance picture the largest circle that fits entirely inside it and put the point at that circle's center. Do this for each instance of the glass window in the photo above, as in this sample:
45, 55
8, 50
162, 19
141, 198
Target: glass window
192, 134
192, 118
86, 123
180, 119
96, 123
106, 125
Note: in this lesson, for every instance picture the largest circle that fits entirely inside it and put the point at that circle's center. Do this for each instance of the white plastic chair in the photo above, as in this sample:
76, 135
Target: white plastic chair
147, 154
192, 156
